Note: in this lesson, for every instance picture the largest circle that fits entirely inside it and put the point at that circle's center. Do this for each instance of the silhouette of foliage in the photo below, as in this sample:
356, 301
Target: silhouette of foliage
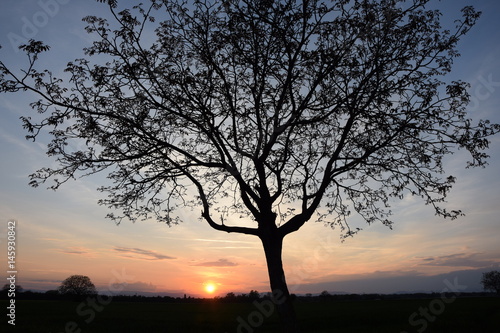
77, 285
17, 289
253, 295
281, 111
491, 281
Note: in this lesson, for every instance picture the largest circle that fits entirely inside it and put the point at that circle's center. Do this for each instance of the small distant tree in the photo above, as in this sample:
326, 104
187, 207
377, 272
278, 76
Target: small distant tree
6, 287
77, 285
230, 296
491, 281
253, 295
52, 294
6, 291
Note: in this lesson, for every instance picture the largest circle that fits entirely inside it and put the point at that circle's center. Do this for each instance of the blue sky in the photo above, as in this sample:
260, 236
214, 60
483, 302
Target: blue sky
63, 233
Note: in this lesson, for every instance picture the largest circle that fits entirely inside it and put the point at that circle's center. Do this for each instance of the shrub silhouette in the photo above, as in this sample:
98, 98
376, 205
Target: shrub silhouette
491, 281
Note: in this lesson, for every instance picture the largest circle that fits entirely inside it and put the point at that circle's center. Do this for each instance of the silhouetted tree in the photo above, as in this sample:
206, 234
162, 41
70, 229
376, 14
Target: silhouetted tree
52, 294
284, 111
230, 296
253, 295
77, 286
18, 288
491, 281
6, 291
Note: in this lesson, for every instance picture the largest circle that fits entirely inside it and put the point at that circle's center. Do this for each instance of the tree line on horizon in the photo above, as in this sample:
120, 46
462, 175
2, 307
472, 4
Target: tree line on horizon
78, 287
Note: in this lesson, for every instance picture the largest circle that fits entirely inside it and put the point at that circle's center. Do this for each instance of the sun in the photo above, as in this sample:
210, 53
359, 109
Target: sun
210, 287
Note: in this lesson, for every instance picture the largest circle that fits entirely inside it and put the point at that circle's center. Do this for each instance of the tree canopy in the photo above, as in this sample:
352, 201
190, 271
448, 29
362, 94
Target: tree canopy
265, 107
77, 285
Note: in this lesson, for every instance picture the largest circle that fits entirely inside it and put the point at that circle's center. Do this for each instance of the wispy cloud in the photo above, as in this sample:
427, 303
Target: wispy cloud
74, 252
218, 263
222, 241
133, 287
457, 260
369, 275
397, 281
77, 251
142, 254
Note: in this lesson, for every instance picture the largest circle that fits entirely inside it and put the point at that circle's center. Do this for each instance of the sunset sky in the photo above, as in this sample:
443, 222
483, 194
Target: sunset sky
64, 233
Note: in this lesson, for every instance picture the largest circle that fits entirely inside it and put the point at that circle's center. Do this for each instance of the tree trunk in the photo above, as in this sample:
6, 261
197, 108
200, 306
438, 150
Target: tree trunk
273, 244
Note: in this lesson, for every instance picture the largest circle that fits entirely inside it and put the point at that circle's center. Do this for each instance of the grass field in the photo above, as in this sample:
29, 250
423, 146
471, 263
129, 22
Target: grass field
462, 315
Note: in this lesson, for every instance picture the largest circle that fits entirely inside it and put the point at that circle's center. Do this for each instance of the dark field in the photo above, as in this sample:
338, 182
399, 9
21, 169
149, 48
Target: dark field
472, 315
